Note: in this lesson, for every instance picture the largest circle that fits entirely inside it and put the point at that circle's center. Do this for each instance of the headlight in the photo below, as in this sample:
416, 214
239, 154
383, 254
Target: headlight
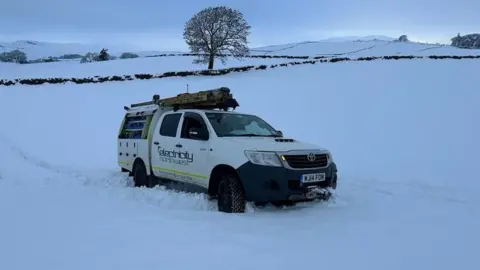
263, 158
330, 157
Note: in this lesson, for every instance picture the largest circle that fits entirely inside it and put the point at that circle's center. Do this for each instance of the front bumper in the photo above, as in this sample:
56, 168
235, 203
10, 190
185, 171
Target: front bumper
263, 184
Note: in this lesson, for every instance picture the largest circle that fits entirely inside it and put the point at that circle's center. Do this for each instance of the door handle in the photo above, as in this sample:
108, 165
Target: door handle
156, 143
178, 145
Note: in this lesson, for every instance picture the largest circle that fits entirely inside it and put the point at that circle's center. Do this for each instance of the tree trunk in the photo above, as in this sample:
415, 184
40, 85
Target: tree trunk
211, 58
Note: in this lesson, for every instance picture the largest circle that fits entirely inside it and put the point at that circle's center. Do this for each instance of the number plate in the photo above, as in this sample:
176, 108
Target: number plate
312, 178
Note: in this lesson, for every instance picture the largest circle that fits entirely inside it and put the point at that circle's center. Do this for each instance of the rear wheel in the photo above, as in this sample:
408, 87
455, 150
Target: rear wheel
140, 177
231, 197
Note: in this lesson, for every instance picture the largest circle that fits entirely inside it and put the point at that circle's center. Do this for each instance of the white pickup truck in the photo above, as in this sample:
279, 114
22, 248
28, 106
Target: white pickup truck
193, 139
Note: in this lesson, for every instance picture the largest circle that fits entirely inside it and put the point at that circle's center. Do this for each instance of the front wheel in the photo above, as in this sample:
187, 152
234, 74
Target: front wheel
231, 197
334, 182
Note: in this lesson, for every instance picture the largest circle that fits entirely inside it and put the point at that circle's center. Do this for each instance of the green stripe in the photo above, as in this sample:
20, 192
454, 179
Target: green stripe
149, 127
168, 170
179, 172
124, 163
121, 127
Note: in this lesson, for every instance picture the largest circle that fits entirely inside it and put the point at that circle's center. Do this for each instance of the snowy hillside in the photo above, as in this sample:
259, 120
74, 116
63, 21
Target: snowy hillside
352, 48
358, 48
36, 49
403, 133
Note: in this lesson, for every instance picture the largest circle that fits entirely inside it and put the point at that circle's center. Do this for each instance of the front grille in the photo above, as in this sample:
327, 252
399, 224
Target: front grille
302, 162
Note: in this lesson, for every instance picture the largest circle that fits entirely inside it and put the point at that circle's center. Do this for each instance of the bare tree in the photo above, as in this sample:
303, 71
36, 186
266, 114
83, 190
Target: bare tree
215, 31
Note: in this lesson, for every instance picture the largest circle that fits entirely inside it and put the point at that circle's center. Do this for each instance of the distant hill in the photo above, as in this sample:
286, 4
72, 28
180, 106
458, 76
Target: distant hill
36, 49
361, 46
352, 46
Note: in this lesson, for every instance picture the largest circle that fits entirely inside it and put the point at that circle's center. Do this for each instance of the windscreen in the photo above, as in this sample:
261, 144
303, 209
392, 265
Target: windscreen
231, 125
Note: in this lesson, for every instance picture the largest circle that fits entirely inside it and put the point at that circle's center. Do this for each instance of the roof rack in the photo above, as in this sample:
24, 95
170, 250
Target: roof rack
218, 98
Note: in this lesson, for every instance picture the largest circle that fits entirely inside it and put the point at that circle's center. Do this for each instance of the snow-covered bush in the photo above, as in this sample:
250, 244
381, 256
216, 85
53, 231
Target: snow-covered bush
70, 56
49, 59
471, 41
103, 56
128, 55
96, 57
15, 56
90, 57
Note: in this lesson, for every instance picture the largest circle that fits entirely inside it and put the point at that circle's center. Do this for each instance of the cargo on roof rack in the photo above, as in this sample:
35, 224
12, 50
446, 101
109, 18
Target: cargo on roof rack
218, 98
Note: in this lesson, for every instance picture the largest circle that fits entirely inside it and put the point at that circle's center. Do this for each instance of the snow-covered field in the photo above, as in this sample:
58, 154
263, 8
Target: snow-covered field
328, 48
69, 69
404, 135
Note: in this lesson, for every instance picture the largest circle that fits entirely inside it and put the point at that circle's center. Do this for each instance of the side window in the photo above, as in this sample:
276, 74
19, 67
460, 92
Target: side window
135, 127
170, 125
192, 120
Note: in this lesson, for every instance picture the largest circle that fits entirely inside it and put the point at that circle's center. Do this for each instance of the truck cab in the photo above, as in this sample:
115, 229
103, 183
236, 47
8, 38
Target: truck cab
233, 157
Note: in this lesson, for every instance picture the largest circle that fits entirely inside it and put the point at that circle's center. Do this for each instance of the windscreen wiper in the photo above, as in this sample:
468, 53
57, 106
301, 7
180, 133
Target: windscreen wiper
251, 135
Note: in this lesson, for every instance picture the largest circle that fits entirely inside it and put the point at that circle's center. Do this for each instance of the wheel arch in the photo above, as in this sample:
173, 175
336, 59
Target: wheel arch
147, 165
215, 177
137, 161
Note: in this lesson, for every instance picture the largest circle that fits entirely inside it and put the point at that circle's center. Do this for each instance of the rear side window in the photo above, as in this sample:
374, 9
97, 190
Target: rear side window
170, 125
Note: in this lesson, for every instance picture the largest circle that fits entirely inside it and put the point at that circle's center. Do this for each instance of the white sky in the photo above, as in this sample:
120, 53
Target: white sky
154, 24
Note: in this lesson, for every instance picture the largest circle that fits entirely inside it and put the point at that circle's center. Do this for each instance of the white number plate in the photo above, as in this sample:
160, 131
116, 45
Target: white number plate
312, 178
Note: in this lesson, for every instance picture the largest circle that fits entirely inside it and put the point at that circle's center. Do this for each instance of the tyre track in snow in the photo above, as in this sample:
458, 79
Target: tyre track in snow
36, 162
115, 183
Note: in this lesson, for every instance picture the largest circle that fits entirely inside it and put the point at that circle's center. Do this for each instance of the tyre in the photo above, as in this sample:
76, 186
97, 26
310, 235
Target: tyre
140, 177
152, 181
334, 182
231, 197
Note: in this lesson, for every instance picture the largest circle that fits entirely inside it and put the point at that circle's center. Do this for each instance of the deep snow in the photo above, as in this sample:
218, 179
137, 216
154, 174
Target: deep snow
403, 133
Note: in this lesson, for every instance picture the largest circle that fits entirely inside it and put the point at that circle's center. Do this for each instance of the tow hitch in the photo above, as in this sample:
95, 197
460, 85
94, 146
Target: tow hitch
317, 193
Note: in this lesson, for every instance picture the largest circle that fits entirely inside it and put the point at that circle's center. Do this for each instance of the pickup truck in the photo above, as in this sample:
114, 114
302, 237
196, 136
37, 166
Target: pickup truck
233, 157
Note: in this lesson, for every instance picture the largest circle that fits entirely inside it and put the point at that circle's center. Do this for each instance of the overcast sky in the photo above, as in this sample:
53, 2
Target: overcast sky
158, 24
